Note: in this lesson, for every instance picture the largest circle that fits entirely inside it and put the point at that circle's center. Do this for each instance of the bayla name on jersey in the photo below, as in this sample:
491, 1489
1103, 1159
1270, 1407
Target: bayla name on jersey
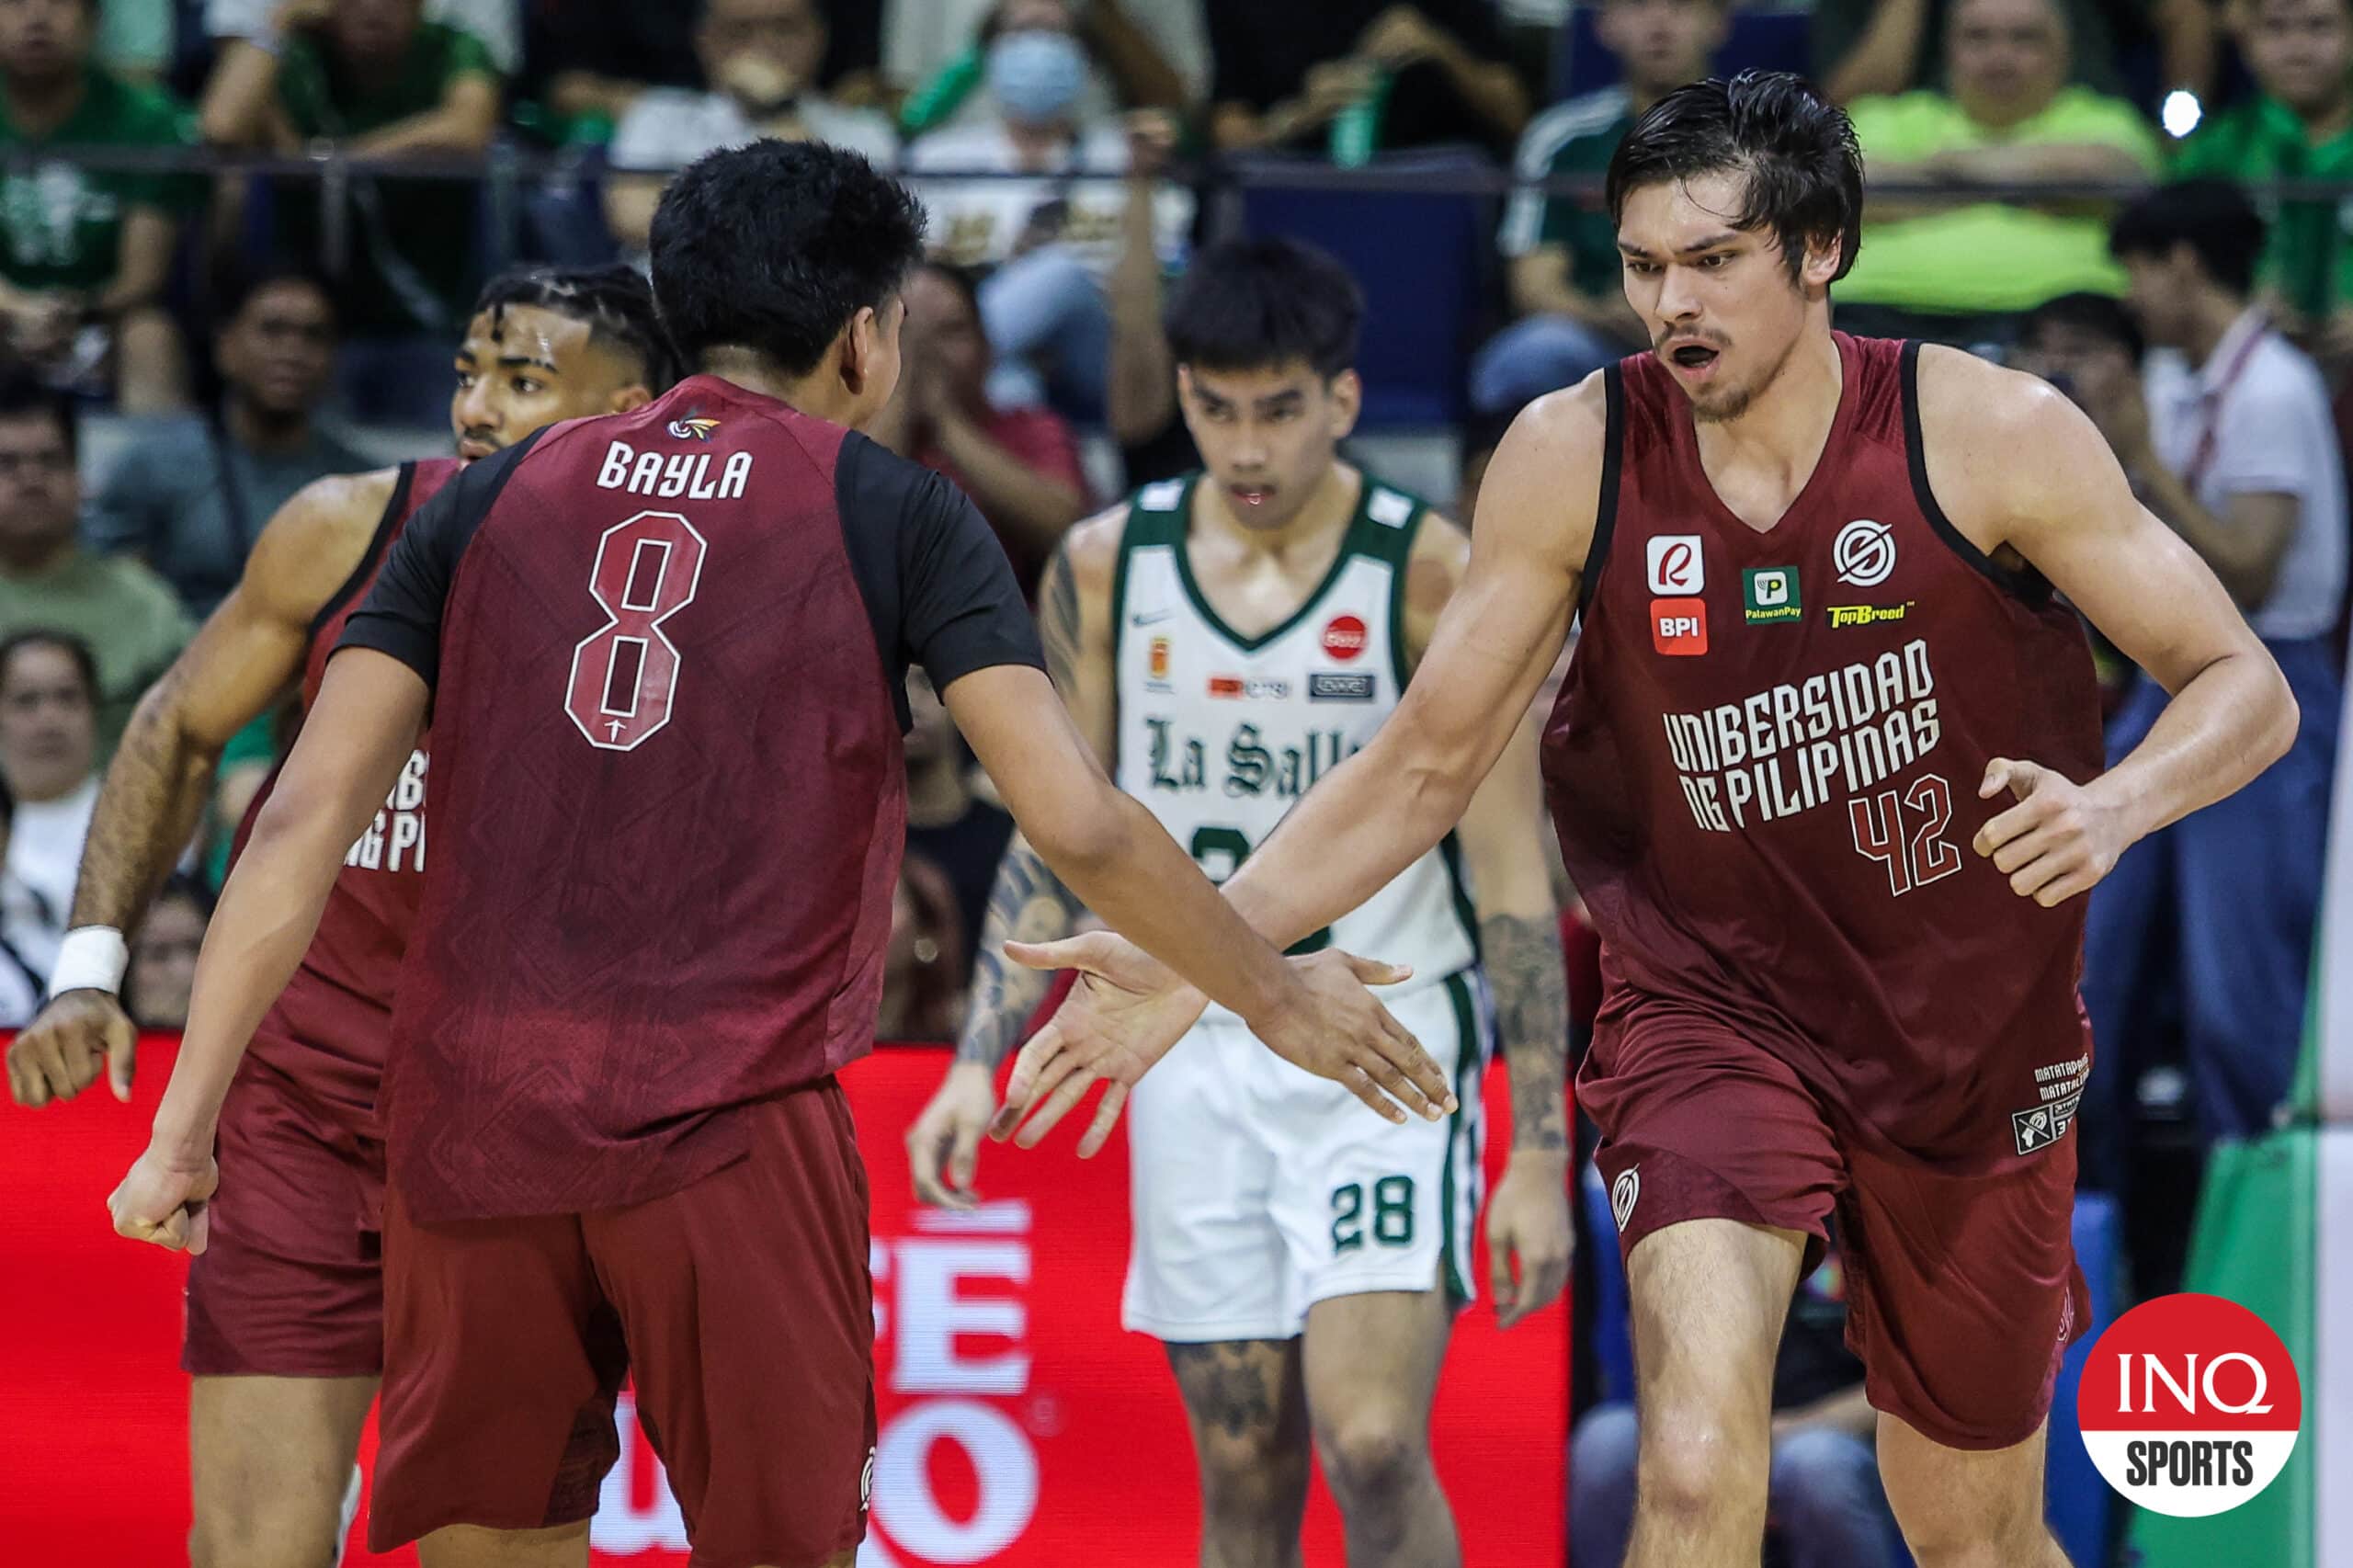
672, 474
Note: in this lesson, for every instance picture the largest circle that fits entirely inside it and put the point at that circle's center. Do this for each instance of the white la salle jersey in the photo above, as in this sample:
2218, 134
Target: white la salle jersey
1220, 735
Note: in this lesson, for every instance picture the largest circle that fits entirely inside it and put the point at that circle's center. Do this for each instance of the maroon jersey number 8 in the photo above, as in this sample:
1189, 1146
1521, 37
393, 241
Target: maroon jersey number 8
625, 673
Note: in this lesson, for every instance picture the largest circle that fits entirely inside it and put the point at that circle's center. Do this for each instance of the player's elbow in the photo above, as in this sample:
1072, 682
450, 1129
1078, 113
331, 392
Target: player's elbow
1090, 837
2281, 715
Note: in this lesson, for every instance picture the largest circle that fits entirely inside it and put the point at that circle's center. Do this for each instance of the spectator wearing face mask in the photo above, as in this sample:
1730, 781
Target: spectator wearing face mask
1048, 244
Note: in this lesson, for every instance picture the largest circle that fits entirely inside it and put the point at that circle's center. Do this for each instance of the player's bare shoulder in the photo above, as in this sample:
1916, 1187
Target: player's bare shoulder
314, 542
2005, 451
1540, 501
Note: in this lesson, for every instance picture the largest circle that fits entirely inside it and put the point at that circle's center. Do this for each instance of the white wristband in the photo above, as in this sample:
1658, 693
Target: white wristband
92, 957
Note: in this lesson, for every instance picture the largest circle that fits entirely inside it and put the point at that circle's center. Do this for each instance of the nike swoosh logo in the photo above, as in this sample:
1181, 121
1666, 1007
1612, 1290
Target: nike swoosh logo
1153, 619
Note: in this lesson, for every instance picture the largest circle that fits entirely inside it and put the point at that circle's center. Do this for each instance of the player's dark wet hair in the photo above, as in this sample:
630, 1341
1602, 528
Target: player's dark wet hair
616, 302
1254, 305
1798, 149
2102, 315
776, 246
2213, 217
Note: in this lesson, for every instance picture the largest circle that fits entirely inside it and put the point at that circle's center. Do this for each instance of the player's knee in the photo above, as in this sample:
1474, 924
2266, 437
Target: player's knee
1251, 1485
263, 1534
1373, 1458
1695, 1464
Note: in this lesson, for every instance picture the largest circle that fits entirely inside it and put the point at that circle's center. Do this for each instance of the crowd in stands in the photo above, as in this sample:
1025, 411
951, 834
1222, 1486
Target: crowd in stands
2081, 186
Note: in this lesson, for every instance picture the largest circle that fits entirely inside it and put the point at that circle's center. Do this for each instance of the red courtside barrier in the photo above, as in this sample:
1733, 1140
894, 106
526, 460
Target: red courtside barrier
1021, 1427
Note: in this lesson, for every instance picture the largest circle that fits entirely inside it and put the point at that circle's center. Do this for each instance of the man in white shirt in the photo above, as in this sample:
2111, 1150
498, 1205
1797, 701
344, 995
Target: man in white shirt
49, 756
2230, 441
1048, 244
760, 58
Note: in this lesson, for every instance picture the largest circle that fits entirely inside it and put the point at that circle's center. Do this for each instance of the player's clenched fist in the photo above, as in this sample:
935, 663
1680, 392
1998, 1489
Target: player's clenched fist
165, 1200
60, 1052
2058, 840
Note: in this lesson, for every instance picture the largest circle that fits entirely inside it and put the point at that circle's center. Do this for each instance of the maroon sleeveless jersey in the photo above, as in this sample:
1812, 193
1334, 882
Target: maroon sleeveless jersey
667, 652
328, 1028
1763, 767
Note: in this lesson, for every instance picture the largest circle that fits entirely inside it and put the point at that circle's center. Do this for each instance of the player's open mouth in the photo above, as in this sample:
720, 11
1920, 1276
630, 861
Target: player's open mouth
1693, 357
1251, 495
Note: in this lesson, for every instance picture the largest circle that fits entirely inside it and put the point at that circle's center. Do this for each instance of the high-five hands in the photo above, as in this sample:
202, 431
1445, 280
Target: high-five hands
1127, 1010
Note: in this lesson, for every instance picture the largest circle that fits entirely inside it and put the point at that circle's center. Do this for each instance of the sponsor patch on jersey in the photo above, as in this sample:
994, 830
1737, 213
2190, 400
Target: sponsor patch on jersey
697, 429
1768, 596
2045, 1124
1327, 686
1251, 689
1155, 665
1867, 614
1680, 626
1676, 565
1864, 553
1344, 637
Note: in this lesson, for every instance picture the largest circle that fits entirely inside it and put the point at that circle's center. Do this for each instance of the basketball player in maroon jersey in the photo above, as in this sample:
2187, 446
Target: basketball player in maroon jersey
665, 654
284, 1331
1827, 768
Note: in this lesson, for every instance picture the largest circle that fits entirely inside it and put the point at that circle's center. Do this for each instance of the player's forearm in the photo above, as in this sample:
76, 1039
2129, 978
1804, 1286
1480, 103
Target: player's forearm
267, 914
1375, 814
1117, 858
1529, 979
1029, 904
2231, 721
149, 804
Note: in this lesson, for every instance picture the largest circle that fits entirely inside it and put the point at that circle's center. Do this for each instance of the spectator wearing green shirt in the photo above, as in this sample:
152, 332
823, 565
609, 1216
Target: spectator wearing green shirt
1567, 290
1946, 266
370, 79
129, 616
84, 253
2299, 126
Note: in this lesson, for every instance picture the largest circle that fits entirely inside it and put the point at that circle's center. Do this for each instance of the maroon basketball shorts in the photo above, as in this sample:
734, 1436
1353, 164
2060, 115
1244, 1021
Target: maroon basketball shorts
741, 1304
1962, 1291
288, 1286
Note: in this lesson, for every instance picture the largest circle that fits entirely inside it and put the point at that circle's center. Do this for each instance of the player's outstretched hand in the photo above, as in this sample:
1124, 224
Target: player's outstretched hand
166, 1201
60, 1052
1337, 1029
945, 1142
2058, 840
1125, 1011
1528, 1224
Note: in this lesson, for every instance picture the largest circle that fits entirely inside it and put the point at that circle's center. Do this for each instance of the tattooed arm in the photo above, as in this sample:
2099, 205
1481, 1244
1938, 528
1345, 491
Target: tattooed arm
1519, 943
243, 658
1029, 904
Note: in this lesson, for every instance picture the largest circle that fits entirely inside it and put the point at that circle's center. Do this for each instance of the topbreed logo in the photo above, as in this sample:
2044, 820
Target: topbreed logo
2189, 1405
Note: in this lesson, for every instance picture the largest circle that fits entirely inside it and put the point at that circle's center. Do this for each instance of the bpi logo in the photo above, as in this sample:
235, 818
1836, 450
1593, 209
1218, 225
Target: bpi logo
1680, 626
2189, 1405
1344, 637
1676, 565
1864, 553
